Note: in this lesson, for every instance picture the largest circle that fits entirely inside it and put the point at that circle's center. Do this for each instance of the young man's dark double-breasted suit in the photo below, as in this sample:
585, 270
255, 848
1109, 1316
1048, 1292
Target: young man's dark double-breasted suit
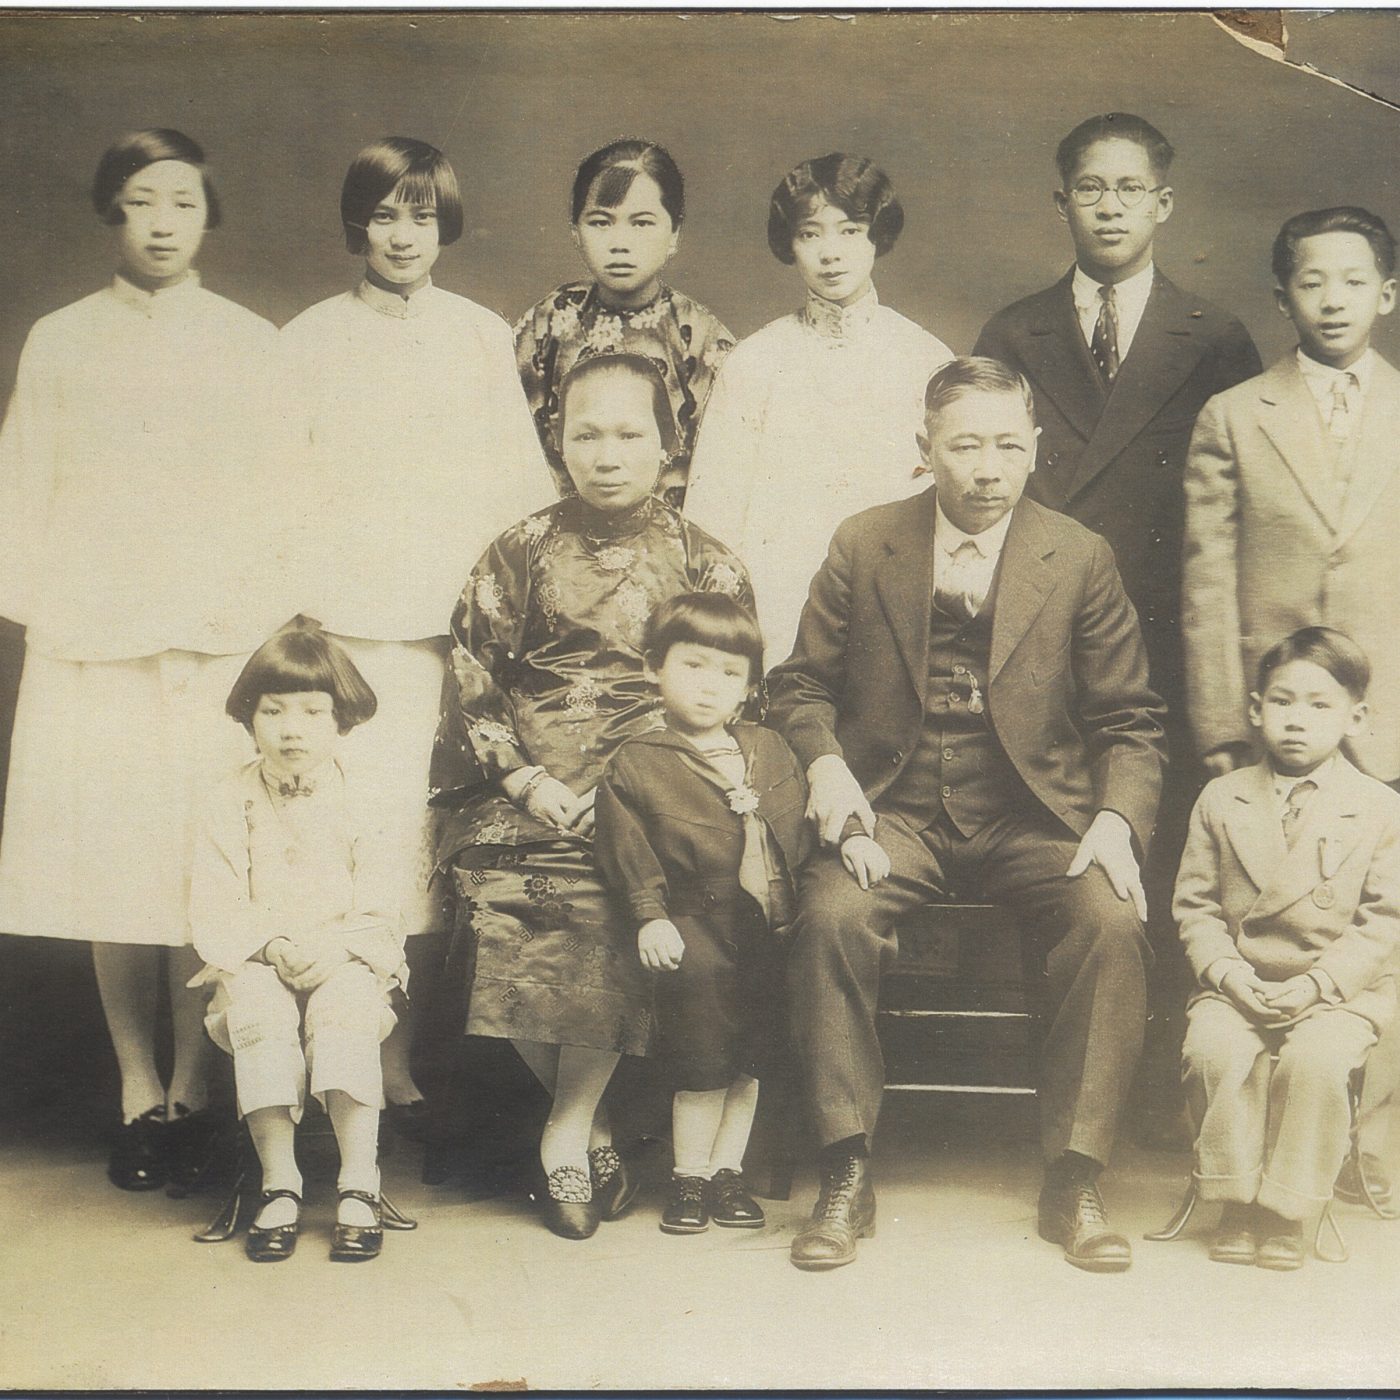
1061, 724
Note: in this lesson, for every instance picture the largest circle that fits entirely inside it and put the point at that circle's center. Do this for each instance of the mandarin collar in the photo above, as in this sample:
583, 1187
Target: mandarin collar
393, 304
302, 785
838, 323
154, 303
598, 525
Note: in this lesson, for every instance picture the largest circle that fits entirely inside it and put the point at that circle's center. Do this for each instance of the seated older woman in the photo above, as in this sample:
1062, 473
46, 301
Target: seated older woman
547, 680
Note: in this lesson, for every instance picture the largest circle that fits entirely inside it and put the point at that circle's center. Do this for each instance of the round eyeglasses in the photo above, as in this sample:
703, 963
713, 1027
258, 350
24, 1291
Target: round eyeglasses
1131, 193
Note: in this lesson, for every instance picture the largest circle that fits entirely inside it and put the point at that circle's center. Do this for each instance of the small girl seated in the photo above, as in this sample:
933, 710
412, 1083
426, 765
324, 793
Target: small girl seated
293, 906
700, 828
1288, 901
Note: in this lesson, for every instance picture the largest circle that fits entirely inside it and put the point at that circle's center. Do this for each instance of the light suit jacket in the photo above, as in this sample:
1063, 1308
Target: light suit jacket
1266, 551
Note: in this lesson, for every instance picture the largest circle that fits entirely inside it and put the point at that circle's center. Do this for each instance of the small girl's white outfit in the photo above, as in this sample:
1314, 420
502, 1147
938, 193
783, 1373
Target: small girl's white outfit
137, 478
305, 860
811, 419
417, 449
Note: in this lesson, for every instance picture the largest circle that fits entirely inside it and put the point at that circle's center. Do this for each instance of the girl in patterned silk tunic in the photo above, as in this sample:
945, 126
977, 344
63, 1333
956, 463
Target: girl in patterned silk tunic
628, 203
550, 679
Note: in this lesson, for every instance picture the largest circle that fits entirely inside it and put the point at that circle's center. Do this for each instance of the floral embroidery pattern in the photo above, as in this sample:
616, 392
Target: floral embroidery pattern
723, 578
742, 799
490, 732
581, 698
605, 335
495, 833
551, 599
565, 322
616, 558
535, 527
634, 603
543, 893
489, 595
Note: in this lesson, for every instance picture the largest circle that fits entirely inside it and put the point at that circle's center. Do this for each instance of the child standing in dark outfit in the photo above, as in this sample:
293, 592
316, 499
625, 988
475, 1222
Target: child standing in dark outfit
700, 826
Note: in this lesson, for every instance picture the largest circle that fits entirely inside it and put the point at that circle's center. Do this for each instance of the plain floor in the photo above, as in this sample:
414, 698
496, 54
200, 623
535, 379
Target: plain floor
108, 1290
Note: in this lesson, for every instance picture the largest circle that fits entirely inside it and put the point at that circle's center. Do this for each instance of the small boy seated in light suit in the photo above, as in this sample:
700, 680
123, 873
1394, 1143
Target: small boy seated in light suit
1288, 903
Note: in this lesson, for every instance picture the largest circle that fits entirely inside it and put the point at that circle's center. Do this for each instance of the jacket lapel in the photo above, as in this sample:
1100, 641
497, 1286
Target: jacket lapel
1288, 418
1377, 449
1254, 829
904, 583
1025, 580
1057, 360
1331, 826
1165, 349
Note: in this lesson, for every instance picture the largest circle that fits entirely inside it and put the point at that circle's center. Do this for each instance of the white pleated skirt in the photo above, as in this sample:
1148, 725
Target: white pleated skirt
107, 764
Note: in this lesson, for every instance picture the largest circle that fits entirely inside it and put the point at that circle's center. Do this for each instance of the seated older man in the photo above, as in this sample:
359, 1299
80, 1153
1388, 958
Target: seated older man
969, 694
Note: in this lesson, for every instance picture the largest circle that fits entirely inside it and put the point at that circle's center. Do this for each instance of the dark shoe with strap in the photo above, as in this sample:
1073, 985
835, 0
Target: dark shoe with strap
731, 1205
271, 1244
686, 1211
1072, 1216
614, 1186
567, 1205
192, 1145
139, 1160
350, 1244
1235, 1241
1282, 1252
843, 1214
1350, 1187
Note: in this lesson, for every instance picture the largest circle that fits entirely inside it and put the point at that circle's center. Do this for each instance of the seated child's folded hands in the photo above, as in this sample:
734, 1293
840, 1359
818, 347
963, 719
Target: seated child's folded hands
301, 971
1286, 1000
660, 945
866, 860
1248, 991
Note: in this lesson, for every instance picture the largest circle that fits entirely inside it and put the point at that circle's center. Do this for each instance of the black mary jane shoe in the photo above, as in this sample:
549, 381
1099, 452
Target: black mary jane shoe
191, 1148
567, 1204
731, 1206
270, 1244
139, 1160
686, 1211
614, 1186
352, 1243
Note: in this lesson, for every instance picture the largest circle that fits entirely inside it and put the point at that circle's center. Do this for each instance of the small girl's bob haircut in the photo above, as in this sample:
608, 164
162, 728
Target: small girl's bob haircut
300, 658
1334, 651
135, 151
398, 165
705, 620
856, 186
605, 177
639, 367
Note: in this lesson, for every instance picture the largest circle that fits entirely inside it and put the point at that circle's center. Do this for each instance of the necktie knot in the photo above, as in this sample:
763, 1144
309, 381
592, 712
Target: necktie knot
1293, 807
959, 592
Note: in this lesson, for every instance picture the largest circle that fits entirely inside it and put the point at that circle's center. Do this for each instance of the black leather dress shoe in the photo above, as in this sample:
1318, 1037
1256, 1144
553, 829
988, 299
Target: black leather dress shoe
271, 1244
191, 1145
567, 1205
1072, 1216
614, 1186
686, 1211
138, 1161
843, 1214
731, 1205
350, 1244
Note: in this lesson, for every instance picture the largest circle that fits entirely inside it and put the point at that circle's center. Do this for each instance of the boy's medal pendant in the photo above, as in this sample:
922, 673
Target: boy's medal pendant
974, 699
1325, 896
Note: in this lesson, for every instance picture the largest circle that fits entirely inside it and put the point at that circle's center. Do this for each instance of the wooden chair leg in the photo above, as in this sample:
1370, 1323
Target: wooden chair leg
1177, 1223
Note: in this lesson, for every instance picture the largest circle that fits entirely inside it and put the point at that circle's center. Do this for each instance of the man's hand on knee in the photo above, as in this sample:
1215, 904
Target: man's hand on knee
834, 797
866, 859
1108, 843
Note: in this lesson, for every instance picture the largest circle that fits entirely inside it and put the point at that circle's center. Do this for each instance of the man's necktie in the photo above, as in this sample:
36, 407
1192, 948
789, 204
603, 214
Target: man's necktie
958, 593
1104, 346
1339, 419
1293, 811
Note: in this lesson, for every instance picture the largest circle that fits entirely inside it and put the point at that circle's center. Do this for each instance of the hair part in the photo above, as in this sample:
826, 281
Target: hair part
399, 164
705, 620
135, 151
638, 367
969, 374
1334, 651
300, 658
856, 186
1344, 218
1114, 126
604, 178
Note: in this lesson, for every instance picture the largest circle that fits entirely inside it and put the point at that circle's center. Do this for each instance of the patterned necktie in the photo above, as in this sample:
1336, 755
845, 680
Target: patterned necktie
958, 593
1104, 346
1293, 811
1339, 419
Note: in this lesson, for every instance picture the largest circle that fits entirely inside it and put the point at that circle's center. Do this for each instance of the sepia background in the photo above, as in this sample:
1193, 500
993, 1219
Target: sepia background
963, 110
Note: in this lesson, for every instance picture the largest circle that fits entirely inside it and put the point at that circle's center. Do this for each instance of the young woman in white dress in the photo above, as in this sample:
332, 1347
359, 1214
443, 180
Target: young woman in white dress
417, 449
132, 477
815, 416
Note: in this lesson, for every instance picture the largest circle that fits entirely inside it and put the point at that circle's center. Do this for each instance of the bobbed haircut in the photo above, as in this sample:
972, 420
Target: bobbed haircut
1113, 126
969, 374
856, 186
1345, 218
135, 151
706, 620
418, 171
1334, 651
639, 367
301, 658
605, 177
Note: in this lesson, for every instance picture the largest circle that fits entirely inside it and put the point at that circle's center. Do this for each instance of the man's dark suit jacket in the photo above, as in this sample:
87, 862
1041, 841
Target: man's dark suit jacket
1115, 462
1068, 695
